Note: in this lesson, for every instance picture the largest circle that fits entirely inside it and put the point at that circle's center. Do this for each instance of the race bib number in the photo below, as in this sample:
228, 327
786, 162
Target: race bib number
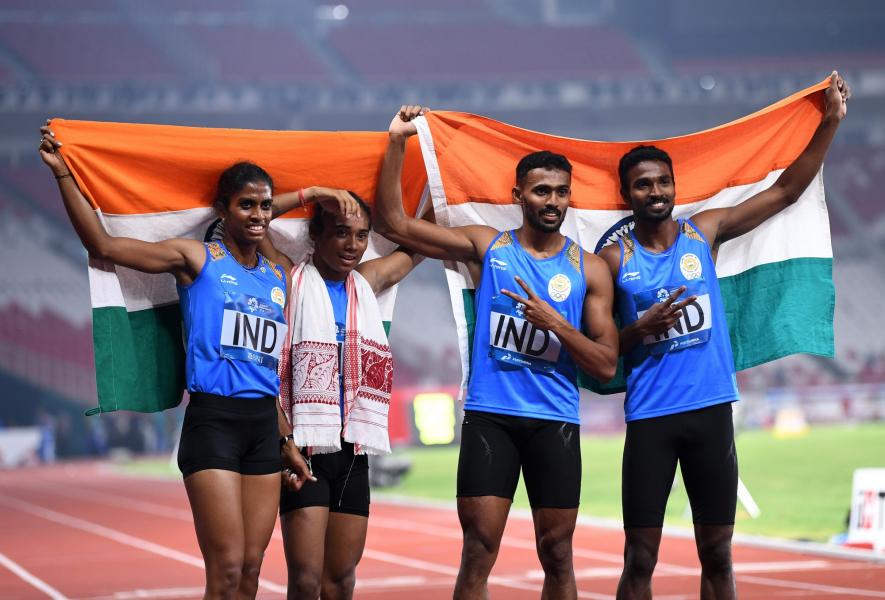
252, 330
515, 341
692, 328
339, 338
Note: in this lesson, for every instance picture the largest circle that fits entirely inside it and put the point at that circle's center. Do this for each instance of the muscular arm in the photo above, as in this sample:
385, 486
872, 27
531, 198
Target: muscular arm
181, 257
465, 244
387, 271
597, 351
722, 224
332, 199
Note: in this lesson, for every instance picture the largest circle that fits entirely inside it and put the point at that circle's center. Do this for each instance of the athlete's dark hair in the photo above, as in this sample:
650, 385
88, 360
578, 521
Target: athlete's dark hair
236, 177
541, 160
316, 221
638, 155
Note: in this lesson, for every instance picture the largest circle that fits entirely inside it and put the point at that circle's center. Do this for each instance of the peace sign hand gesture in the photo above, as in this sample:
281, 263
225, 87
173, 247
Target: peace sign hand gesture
537, 311
663, 316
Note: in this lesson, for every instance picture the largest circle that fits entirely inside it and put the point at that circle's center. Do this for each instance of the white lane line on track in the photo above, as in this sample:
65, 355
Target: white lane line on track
509, 582
511, 542
28, 577
120, 537
179, 592
810, 587
662, 567
439, 531
161, 510
121, 501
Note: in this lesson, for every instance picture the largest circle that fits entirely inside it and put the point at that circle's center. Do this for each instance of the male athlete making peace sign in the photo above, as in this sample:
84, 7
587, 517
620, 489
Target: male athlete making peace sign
677, 355
521, 410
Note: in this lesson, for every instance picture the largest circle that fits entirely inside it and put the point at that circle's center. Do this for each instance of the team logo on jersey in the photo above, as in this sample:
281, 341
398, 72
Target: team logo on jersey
228, 279
690, 265
559, 287
216, 251
277, 296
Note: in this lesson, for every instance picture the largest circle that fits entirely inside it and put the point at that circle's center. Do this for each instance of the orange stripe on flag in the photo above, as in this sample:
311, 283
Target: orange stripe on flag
477, 156
137, 169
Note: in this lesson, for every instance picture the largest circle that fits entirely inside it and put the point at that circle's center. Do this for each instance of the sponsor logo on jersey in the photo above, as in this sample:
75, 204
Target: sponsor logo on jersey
228, 279
559, 287
631, 276
690, 265
496, 263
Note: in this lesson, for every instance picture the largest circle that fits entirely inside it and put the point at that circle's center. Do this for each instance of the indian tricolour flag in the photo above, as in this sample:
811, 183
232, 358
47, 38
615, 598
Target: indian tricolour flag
156, 182
776, 281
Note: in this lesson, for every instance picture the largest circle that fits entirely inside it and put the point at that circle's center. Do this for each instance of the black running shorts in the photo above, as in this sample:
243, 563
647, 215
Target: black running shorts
342, 484
702, 441
495, 447
234, 434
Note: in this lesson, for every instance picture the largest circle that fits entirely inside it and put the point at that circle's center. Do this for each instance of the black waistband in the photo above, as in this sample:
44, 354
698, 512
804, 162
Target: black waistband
248, 405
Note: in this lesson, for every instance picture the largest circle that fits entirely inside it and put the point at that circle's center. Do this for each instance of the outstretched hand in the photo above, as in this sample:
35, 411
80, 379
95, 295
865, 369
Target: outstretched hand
537, 311
663, 316
402, 123
48, 149
837, 95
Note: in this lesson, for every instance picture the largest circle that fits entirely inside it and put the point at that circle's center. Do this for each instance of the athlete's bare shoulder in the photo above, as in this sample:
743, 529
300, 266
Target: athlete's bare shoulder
596, 270
611, 256
482, 236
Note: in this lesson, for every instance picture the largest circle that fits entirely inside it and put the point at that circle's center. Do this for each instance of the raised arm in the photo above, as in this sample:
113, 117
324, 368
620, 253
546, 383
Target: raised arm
465, 244
595, 352
386, 271
722, 224
183, 258
331, 199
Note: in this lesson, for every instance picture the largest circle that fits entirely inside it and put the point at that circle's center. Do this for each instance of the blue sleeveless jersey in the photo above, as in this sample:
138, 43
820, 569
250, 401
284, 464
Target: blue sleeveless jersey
517, 369
338, 295
691, 365
234, 326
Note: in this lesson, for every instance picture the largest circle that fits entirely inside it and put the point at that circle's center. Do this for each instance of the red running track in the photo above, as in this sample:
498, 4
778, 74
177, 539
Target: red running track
83, 532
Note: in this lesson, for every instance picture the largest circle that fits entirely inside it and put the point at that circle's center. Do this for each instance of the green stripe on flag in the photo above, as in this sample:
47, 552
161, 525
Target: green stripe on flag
772, 310
469, 297
780, 308
139, 358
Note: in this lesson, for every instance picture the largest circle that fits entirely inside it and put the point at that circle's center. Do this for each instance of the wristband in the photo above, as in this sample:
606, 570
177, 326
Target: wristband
301, 197
63, 176
286, 438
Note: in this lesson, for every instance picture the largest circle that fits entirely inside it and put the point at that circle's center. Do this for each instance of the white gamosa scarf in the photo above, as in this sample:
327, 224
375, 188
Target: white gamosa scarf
309, 392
